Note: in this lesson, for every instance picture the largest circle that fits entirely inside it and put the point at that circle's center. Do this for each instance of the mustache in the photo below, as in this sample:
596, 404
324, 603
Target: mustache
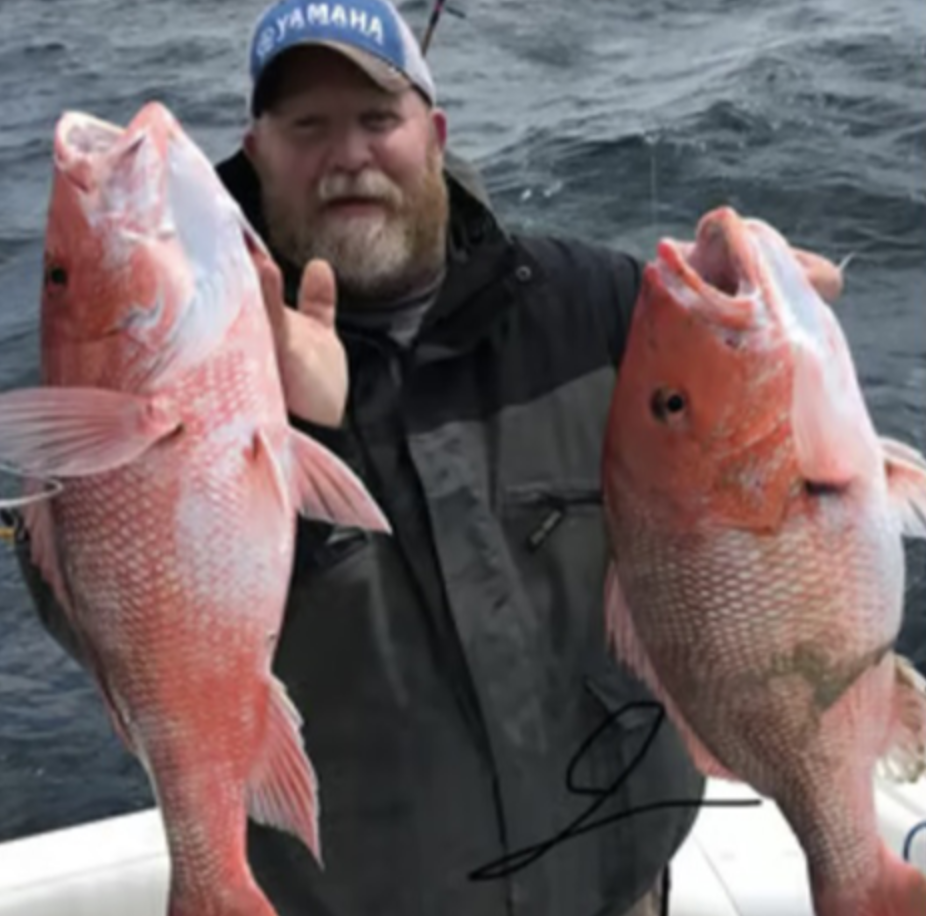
368, 185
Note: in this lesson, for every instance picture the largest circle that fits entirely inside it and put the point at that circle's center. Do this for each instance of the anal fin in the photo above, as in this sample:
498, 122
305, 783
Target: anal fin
283, 790
905, 760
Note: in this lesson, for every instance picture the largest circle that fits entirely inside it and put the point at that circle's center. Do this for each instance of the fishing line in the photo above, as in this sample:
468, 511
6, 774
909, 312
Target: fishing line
52, 488
652, 183
436, 11
844, 263
911, 836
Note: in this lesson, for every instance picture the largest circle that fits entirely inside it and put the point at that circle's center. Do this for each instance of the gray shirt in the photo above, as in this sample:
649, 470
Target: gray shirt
399, 318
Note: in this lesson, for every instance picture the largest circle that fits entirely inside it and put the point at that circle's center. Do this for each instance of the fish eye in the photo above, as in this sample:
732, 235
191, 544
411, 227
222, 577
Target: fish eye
667, 404
57, 275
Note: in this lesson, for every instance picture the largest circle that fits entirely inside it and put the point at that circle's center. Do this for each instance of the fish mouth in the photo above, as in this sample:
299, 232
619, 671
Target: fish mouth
86, 146
719, 271
81, 135
81, 140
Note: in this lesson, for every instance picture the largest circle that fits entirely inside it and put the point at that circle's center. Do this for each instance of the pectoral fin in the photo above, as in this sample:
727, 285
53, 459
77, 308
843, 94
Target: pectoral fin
73, 432
323, 487
834, 438
906, 480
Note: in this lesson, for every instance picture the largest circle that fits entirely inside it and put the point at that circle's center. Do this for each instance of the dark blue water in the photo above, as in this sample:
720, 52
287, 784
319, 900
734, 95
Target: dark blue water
618, 122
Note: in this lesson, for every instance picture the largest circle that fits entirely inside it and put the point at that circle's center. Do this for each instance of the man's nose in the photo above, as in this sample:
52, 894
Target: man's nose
352, 151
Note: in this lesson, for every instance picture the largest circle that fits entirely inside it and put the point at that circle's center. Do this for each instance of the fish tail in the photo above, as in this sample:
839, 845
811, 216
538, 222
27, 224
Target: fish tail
245, 899
903, 888
898, 889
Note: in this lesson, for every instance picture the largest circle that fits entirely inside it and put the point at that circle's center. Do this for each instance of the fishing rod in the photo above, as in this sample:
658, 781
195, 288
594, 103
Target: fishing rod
436, 11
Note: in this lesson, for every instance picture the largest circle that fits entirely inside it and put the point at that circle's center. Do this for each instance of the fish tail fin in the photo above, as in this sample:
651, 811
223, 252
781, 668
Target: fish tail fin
283, 790
905, 759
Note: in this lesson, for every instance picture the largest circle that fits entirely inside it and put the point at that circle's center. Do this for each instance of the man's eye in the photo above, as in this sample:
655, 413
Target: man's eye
379, 120
307, 125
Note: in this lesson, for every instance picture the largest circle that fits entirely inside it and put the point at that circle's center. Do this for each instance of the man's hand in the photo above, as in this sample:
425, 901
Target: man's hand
824, 275
311, 358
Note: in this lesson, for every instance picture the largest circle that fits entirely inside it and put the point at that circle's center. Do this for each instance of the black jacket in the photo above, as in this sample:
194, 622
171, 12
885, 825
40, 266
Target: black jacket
449, 675
452, 677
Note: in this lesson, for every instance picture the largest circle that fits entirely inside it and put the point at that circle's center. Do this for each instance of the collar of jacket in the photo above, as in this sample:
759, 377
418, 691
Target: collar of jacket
484, 263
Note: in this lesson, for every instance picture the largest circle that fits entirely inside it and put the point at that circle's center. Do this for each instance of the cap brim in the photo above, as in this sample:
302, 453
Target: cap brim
383, 74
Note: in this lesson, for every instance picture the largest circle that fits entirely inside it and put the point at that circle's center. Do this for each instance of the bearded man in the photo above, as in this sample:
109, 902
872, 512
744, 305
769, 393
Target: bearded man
447, 675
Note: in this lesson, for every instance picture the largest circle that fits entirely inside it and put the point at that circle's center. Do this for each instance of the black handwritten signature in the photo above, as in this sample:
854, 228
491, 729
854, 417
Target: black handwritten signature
522, 858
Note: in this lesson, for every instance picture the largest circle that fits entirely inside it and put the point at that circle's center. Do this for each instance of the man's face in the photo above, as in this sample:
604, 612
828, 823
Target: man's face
352, 174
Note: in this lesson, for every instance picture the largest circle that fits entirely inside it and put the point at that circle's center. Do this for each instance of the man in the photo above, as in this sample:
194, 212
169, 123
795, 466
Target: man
449, 675
474, 739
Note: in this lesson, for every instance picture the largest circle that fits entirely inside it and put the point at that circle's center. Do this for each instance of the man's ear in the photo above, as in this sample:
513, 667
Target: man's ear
439, 120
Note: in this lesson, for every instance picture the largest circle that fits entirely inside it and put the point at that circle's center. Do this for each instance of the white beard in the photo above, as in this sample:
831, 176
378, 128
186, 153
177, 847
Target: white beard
374, 255
366, 252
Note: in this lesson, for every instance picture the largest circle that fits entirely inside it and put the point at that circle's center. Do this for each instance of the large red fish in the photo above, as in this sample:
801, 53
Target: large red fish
756, 521
170, 545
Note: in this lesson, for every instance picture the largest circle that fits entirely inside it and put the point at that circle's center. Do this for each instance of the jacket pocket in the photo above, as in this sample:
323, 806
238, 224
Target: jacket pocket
542, 508
556, 539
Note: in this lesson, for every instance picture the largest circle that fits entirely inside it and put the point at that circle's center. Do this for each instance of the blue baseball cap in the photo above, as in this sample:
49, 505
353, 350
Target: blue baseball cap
371, 33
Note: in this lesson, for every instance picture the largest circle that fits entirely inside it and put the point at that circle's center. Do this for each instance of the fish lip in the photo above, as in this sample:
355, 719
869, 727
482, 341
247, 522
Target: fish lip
85, 145
738, 249
79, 142
688, 269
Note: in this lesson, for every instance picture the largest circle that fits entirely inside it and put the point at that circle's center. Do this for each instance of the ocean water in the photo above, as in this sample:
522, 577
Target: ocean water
619, 122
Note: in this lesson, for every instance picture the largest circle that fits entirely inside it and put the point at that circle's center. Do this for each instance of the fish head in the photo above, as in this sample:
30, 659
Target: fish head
732, 361
142, 243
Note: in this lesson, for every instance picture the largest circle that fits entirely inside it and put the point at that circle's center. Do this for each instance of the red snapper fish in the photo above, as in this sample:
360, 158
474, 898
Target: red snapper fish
757, 577
170, 544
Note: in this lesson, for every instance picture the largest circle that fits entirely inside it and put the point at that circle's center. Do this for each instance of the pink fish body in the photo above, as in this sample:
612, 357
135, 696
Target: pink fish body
756, 522
171, 543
